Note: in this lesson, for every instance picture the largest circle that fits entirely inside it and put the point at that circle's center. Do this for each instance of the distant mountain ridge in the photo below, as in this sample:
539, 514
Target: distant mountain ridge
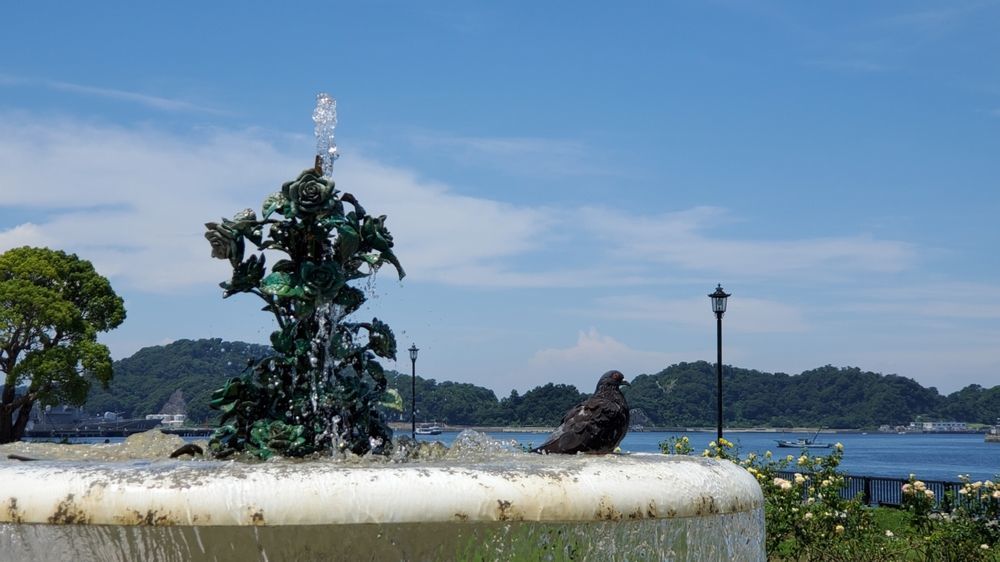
144, 382
682, 395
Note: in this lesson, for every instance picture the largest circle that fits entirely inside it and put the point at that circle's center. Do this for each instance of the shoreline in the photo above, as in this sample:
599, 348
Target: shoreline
405, 427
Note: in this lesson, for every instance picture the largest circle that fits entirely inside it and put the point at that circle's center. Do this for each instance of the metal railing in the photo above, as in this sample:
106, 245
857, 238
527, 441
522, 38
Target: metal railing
881, 490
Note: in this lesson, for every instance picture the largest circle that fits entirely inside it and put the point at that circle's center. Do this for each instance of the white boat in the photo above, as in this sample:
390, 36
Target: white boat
428, 429
804, 443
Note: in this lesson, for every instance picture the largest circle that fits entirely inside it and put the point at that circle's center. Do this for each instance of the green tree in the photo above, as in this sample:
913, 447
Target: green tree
52, 306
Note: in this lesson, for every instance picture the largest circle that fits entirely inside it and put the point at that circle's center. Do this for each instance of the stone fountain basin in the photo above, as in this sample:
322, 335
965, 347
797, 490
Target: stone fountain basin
576, 503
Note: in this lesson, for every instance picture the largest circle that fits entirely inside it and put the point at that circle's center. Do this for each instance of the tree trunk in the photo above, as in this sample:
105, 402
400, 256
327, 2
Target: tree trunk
6, 427
23, 415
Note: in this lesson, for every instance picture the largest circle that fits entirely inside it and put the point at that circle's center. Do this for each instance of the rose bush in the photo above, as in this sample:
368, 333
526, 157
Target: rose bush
807, 519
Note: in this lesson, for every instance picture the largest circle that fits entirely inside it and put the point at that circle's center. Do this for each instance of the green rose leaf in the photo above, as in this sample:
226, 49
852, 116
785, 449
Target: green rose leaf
273, 203
246, 276
375, 234
281, 284
348, 241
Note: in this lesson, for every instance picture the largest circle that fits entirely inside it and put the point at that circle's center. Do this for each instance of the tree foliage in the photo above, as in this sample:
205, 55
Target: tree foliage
52, 306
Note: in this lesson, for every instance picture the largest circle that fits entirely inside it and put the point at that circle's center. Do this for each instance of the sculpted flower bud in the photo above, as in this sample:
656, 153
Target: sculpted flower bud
244, 219
839, 529
226, 242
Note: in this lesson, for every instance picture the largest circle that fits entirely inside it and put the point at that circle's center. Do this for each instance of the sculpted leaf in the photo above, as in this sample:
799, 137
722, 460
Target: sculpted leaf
281, 284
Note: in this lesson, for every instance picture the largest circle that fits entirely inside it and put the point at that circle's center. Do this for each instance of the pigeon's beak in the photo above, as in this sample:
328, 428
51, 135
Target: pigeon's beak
626, 383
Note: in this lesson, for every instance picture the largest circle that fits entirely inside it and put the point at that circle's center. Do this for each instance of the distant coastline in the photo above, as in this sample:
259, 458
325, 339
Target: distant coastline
402, 427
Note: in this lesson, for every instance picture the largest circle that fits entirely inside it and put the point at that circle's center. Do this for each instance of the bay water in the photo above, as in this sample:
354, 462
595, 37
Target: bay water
929, 456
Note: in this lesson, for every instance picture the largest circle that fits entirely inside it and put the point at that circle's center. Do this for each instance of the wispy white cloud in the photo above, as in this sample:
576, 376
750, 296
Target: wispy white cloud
134, 200
682, 240
148, 100
942, 19
131, 201
521, 155
945, 300
582, 363
155, 102
751, 315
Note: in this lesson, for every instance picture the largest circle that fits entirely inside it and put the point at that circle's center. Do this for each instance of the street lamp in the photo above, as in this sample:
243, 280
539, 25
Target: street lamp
719, 308
413, 393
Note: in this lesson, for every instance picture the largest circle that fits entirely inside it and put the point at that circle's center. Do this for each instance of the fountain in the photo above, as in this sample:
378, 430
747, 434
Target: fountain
357, 495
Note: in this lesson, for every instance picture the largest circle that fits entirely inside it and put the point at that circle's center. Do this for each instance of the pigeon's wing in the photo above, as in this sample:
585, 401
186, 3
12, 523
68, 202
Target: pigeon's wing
607, 426
595, 426
551, 444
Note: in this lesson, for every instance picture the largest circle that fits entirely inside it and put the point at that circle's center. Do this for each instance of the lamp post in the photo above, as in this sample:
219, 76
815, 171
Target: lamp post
719, 308
413, 393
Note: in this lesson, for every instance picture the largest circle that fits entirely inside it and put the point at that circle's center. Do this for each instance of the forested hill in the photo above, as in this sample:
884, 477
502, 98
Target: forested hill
682, 395
143, 383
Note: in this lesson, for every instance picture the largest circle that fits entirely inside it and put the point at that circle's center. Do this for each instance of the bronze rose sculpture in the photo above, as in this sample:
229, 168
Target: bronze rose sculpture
320, 389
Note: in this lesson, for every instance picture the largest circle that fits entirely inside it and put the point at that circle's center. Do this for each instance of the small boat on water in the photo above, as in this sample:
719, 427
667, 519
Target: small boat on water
804, 443
428, 429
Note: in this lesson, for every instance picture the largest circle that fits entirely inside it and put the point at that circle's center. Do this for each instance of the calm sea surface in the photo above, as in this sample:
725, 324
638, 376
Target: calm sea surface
930, 457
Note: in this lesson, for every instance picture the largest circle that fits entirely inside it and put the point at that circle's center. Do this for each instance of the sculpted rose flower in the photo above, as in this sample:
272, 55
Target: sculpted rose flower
226, 242
309, 194
323, 279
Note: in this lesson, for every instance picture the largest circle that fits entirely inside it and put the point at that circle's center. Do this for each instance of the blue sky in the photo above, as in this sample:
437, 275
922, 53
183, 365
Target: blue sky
566, 182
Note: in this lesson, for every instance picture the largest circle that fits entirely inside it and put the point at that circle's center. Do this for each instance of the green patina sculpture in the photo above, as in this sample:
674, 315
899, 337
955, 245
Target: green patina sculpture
320, 389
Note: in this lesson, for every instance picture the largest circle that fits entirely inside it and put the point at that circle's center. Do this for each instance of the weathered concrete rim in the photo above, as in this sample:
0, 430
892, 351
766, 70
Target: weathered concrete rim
212, 493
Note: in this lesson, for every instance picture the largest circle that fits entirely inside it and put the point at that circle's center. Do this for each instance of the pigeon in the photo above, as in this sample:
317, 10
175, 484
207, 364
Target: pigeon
595, 426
